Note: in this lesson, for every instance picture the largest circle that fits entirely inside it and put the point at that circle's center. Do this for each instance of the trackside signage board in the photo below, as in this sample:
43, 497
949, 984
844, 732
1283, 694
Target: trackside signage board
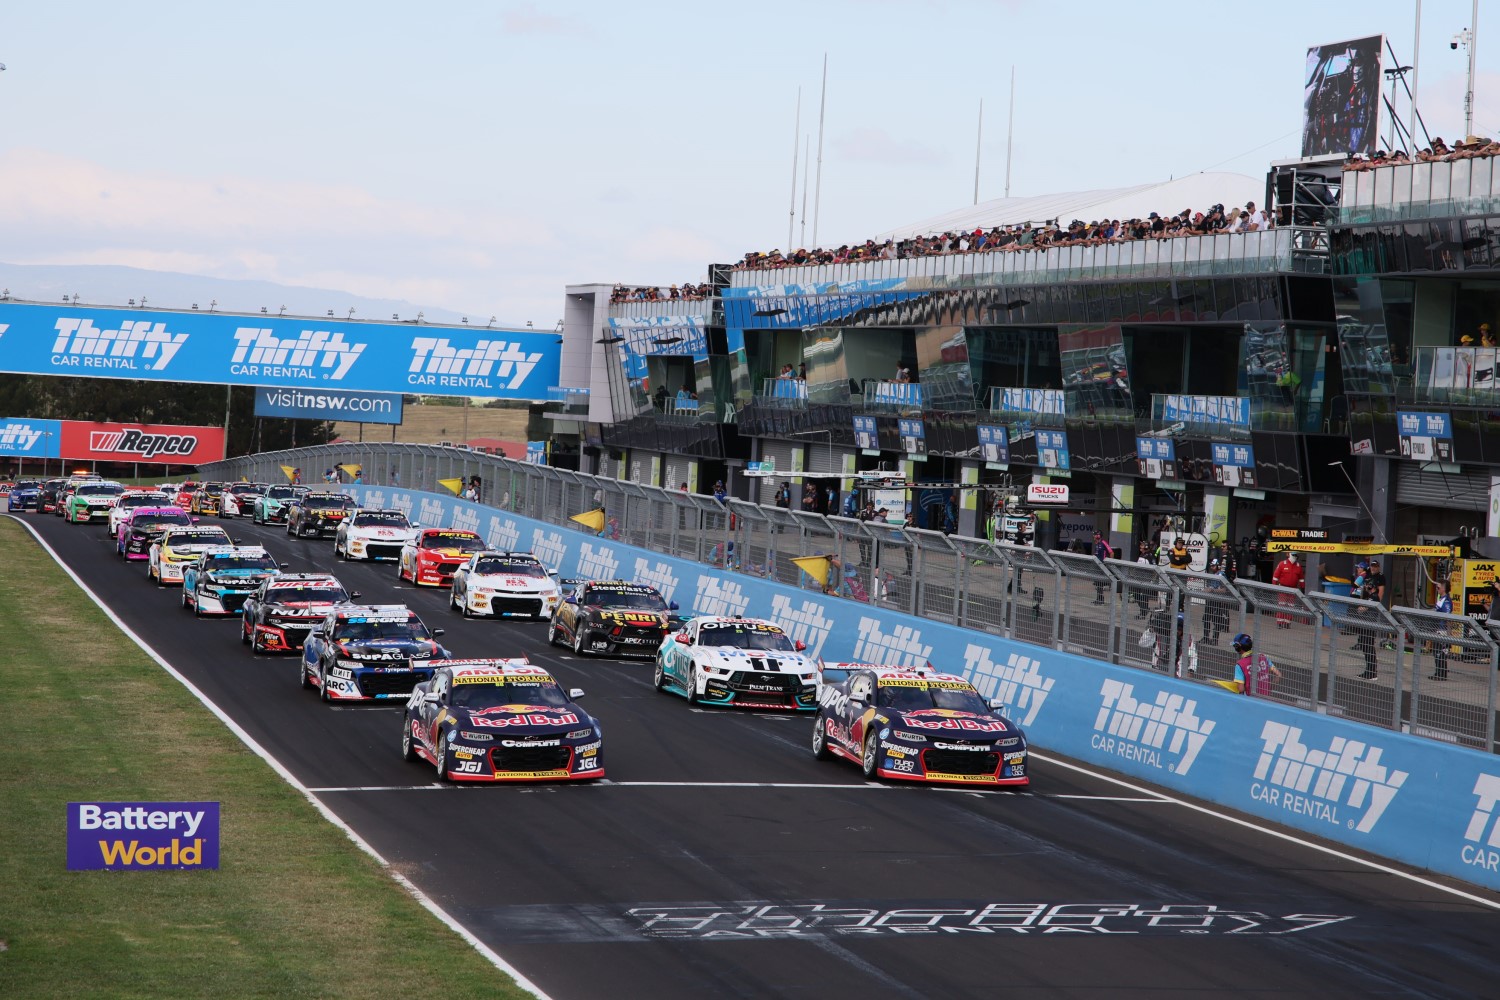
1419, 801
168, 444
142, 836
25, 437
274, 351
328, 404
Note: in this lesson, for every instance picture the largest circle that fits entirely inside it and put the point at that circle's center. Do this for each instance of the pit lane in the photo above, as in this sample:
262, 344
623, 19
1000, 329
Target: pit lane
721, 860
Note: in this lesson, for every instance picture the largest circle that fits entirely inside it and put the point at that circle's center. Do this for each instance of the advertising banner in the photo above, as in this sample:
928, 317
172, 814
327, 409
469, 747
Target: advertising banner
866, 437
23, 437
1234, 464
275, 351
1231, 410
1032, 401
143, 836
1425, 437
913, 436
1052, 449
165, 444
1341, 97
994, 444
1156, 458
1479, 587
329, 404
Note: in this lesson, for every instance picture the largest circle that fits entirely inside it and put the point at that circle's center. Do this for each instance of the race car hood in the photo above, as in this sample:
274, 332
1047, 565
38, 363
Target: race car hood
530, 586
734, 658
446, 555
239, 577
389, 649
970, 725
626, 616
296, 611
377, 533
180, 552
534, 721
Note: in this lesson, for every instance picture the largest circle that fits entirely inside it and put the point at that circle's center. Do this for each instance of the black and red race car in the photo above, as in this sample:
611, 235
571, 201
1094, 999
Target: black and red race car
916, 725
612, 617
284, 610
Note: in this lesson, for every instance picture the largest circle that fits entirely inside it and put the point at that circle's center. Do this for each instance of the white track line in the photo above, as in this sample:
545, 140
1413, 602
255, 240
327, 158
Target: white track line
287, 776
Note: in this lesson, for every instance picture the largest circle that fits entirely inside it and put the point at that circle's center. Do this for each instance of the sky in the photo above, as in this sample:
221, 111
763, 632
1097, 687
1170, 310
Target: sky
479, 156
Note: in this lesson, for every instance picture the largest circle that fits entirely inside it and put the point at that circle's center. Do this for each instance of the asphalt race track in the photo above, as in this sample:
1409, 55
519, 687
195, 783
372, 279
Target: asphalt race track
720, 859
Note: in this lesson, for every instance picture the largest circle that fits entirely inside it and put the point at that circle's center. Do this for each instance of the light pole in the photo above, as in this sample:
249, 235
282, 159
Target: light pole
1468, 38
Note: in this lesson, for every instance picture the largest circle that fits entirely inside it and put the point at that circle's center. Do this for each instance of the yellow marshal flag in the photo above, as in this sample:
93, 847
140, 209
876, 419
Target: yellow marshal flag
1234, 686
291, 473
454, 486
352, 470
815, 567
591, 519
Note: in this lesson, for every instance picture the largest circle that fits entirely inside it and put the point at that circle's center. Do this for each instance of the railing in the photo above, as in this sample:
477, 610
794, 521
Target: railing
892, 397
573, 400
1420, 191
1431, 674
792, 391
1201, 416
1458, 375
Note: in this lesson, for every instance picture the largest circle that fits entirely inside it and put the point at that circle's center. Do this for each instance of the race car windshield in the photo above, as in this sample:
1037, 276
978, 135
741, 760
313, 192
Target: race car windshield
306, 595
280, 493
746, 638
372, 631
244, 489
213, 490
220, 563
142, 499
917, 698
100, 490
157, 520
321, 504
379, 521
509, 567
634, 600
199, 538
462, 543
472, 696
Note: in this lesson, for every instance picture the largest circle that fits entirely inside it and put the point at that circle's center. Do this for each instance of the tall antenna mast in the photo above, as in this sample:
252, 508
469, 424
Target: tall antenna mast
806, 163
978, 144
1416, 59
791, 215
1010, 129
818, 194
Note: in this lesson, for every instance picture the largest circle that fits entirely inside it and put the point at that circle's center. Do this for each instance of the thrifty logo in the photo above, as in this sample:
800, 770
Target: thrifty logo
18, 437
1318, 783
805, 622
1017, 683
261, 352
436, 362
1166, 734
901, 646
1481, 851
81, 343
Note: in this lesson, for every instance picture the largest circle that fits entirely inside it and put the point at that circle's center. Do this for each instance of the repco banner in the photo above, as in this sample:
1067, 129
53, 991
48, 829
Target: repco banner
164, 444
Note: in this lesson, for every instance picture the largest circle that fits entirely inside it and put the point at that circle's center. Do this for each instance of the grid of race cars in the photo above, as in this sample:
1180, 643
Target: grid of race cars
504, 719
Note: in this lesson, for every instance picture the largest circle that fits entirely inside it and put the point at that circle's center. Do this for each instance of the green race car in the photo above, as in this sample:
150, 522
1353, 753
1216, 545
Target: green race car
91, 502
270, 507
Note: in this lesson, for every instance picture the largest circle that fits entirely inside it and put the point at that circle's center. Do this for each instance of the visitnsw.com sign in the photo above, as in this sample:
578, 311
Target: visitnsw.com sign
142, 836
328, 404
277, 352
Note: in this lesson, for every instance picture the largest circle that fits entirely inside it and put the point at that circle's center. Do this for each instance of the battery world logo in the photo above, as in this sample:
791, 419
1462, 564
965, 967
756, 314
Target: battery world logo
1166, 733
1484, 851
434, 361
261, 352
138, 442
1318, 783
80, 343
18, 437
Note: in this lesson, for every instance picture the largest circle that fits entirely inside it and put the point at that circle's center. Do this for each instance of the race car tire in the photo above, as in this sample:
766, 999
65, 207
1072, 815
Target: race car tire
255, 516
302, 676
408, 750
820, 739
256, 646
659, 676
552, 631
578, 649
323, 687
244, 636
197, 609
184, 597
692, 685
442, 758
870, 757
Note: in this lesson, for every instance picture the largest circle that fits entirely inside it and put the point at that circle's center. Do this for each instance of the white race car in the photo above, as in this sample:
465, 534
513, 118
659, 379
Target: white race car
238, 499
747, 662
504, 584
129, 501
372, 534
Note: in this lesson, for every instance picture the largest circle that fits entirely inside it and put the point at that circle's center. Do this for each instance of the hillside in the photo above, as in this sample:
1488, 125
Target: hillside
431, 424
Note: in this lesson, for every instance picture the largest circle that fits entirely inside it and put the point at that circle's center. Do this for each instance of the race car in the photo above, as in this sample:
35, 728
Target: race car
364, 652
51, 495
238, 499
614, 617
280, 614
170, 554
431, 556
500, 720
91, 502
224, 577
318, 515
916, 725
26, 494
746, 662
129, 501
185, 493
143, 526
504, 584
271, 506
205, 499
372, 534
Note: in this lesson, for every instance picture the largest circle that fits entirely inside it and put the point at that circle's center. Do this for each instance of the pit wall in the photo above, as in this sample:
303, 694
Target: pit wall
1412, 800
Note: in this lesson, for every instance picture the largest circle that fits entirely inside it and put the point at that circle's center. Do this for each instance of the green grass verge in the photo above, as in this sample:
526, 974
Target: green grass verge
295, 909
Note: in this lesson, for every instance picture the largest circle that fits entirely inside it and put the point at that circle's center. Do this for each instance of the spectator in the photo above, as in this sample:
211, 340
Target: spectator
395, 476
802, 371
1102, 551
477, 486
1288, 573
297, 476
720, 493
1216, 609
1443, 606
359, 476
786, 371
660, 398
1144, 556
903, 373
1178, 557
1486, 339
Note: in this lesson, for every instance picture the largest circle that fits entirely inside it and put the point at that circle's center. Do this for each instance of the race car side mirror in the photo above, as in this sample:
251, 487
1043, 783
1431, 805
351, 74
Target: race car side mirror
672, 606
355, 595
684, 639
432, 697
998, 705
800, 645
283, 565
575, 693
193, 519
438, 631
571, 599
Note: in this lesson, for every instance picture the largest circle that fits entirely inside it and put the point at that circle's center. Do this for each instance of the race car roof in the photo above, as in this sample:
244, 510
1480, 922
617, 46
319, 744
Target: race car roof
188, 533
375, 612
496, 670
292, 581
214, 551
135, 512
915, 674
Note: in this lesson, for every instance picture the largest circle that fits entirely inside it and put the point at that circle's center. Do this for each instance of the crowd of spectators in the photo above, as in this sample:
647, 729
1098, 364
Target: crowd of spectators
653, 293
1026, 236
1472, 147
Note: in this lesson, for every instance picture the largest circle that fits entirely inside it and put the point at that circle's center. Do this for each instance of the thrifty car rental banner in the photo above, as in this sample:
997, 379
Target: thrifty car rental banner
290, 352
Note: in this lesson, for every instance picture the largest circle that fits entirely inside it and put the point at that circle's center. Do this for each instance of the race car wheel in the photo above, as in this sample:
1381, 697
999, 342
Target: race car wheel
184, 597
552, 631
197, 610
871, 756
820, 739
244, 635
256, 646
303, 676
659, 677
692, 684
323, 687
578, 640
442, 758
408, 751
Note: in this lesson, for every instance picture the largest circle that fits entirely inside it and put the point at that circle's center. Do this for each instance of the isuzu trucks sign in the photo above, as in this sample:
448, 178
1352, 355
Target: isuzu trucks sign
1047, 493
278, 352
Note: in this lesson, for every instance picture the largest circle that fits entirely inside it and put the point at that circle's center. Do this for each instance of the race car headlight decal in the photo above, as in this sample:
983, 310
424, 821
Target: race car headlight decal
579, 734
475, 737
1008, 743
353, 664
907, 737
341, 672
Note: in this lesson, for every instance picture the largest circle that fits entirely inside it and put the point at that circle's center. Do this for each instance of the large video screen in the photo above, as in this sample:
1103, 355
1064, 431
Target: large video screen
1341, 102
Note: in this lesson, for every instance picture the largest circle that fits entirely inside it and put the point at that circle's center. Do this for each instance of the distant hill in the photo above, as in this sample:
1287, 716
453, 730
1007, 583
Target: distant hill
110, 285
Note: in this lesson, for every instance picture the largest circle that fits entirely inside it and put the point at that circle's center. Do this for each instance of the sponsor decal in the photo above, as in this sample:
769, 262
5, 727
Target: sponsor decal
329, 404
1018, 683
902, 645
139, 345
526, 719
161, 443
138, 442
597, 562
1343, 785
807, 621
142, 836
1166, 734
1483, 832
751, 921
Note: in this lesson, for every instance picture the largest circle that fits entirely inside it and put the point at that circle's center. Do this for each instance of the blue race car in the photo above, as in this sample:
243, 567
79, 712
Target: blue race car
224, 577
26, 494
365, 652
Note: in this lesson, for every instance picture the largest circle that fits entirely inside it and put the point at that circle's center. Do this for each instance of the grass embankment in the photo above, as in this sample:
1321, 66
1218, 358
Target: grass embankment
295, 909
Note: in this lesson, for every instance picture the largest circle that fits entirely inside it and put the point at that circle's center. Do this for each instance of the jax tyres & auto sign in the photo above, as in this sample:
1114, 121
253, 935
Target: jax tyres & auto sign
143, 836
